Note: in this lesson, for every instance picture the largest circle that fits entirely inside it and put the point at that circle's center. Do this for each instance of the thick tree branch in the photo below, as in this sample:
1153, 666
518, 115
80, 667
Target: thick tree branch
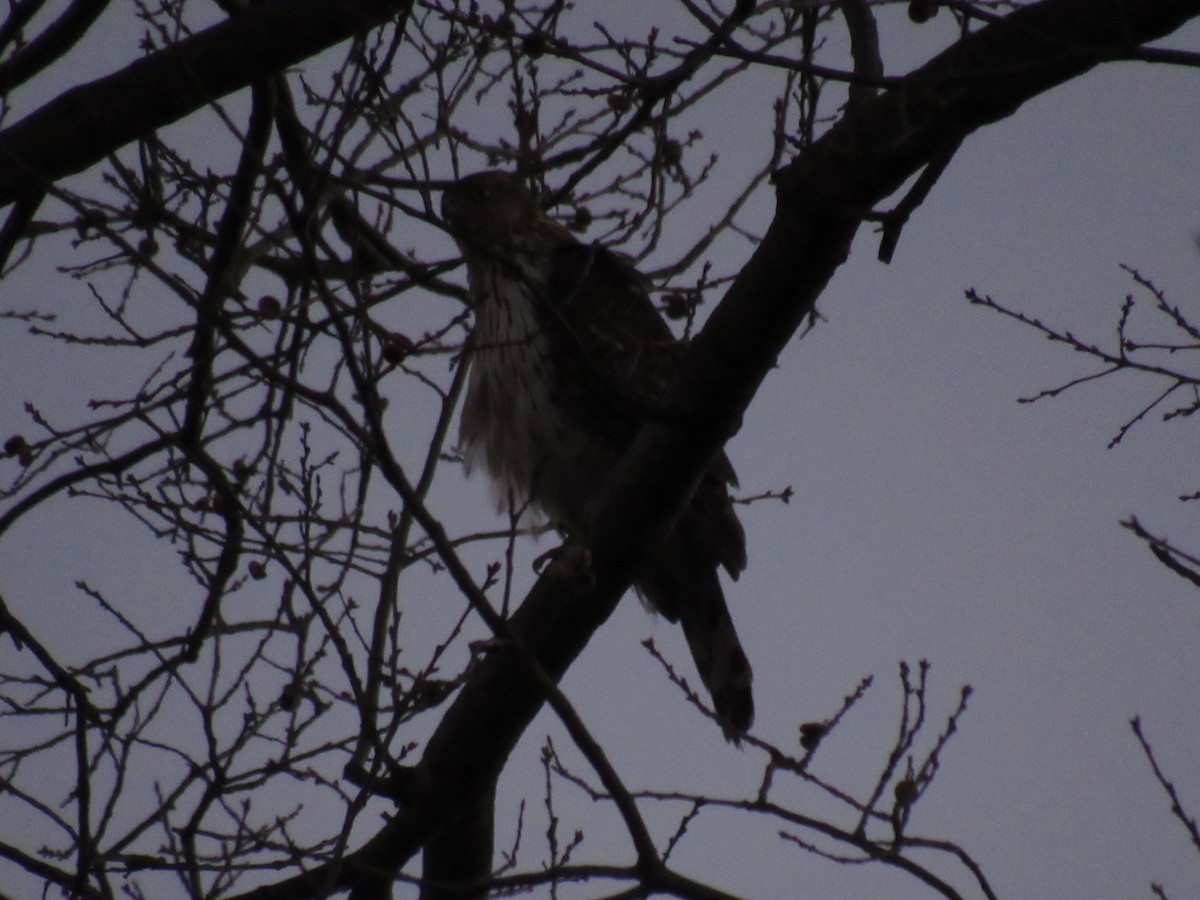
82, 126
50, 45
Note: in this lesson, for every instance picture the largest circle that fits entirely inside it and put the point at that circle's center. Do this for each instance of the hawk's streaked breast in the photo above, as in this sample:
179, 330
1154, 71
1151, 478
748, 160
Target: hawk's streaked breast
519, 421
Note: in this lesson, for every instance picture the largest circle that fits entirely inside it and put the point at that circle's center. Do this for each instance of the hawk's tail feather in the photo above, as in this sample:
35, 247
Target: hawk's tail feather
718, 654
686, 590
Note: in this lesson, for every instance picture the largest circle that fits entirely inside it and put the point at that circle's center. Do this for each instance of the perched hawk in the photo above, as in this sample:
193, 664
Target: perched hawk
569, 359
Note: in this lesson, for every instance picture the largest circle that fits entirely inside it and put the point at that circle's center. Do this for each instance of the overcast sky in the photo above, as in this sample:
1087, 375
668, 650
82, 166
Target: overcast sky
933, 517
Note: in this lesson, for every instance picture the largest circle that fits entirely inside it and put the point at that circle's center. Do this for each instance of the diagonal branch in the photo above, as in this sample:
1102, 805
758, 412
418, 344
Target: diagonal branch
59, 37
1166, 784
83, 125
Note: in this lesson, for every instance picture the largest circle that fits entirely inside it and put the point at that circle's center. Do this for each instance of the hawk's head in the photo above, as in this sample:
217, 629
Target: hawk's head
489, 207
493, 212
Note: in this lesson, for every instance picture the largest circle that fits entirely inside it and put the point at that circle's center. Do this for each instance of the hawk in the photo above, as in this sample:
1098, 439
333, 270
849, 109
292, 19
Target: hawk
569, 358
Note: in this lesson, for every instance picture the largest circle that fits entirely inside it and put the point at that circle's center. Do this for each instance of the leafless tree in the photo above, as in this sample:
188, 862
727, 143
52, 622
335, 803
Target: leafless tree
250, 205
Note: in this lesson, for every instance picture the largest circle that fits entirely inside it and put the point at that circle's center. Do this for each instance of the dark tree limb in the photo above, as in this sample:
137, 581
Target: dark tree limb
80, 127
823, 197
896, 218
864, 47
18, 219
59, 37
456, 865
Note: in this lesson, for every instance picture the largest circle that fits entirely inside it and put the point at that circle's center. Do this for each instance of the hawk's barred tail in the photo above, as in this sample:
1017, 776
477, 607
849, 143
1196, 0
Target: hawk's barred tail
718, 653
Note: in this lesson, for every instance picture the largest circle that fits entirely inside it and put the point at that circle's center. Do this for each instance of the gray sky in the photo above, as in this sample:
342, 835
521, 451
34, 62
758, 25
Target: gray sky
933, 517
